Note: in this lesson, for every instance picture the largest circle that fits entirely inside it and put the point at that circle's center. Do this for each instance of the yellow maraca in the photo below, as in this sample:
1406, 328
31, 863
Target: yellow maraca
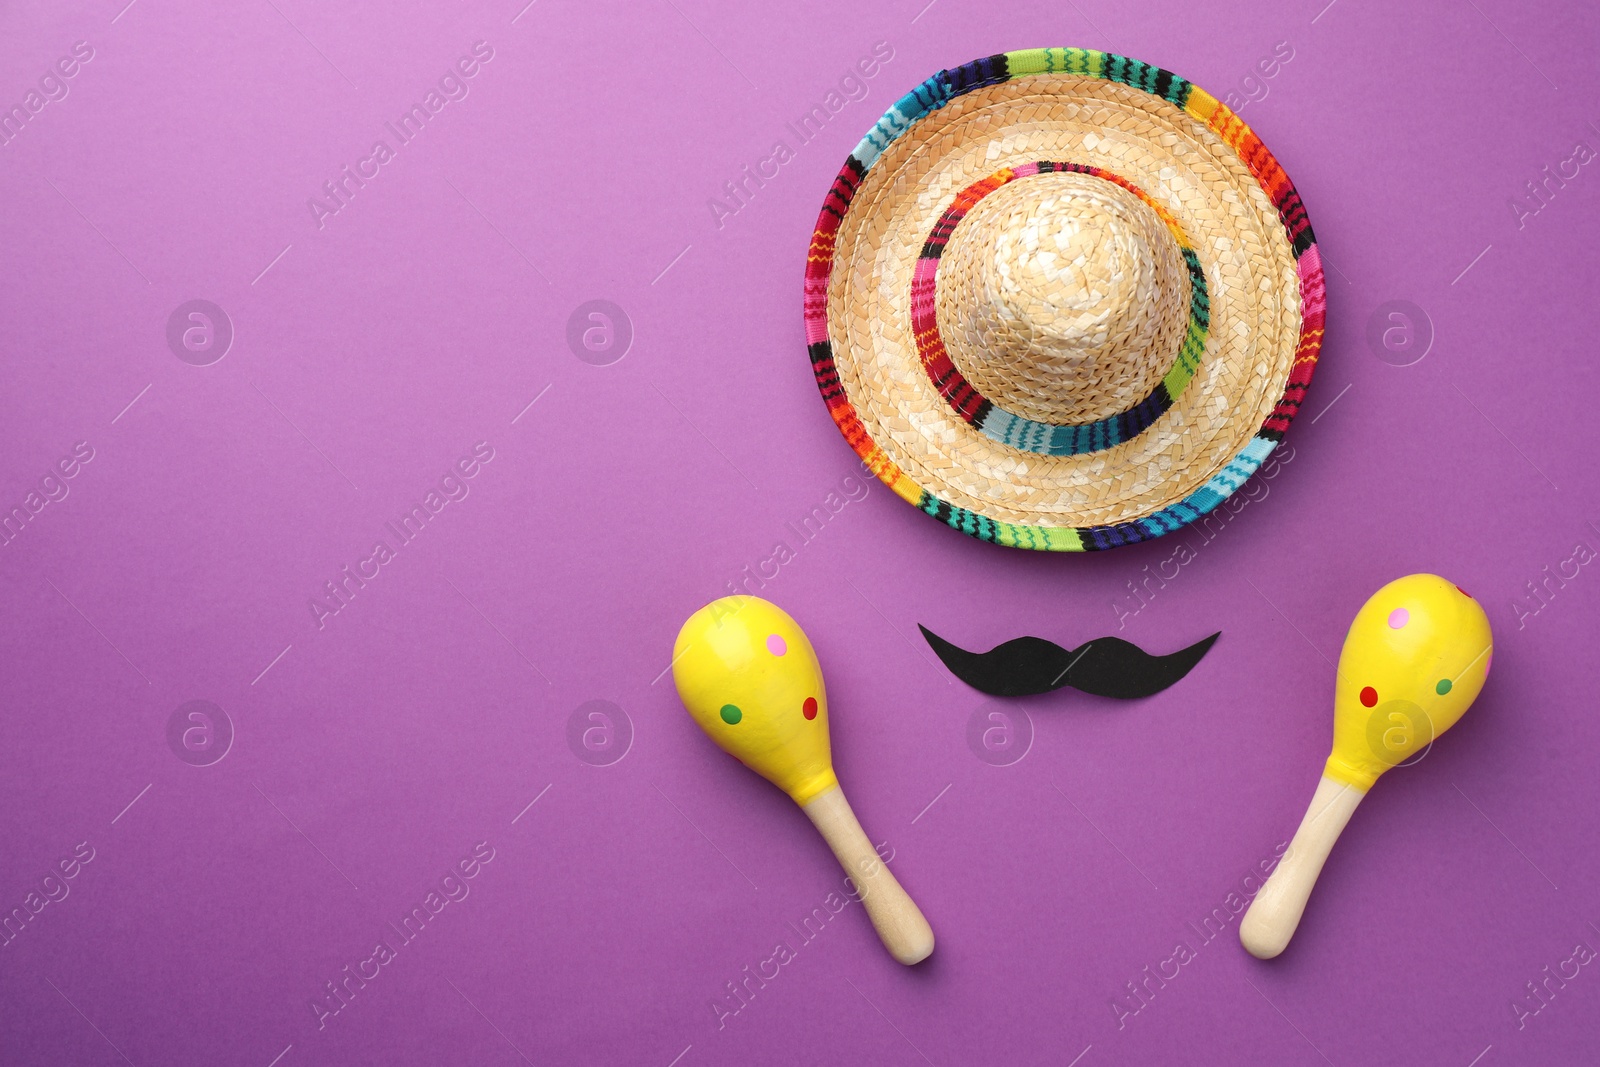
1413, 662
749, 677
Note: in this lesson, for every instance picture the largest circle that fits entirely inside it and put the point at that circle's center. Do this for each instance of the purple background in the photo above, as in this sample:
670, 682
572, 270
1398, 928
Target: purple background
373, 753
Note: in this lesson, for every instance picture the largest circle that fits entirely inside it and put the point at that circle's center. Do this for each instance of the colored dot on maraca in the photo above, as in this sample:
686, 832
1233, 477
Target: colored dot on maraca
749, 677
1422, 645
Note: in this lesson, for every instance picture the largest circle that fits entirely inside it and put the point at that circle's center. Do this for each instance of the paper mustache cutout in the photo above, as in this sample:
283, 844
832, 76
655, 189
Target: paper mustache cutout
1106, 666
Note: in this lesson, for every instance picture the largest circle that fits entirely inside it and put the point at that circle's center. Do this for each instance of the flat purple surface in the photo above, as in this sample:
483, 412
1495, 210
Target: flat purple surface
374, 749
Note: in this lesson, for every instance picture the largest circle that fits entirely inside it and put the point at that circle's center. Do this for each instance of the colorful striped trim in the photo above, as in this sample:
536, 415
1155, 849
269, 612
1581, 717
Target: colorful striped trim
1017, 431
1204, 108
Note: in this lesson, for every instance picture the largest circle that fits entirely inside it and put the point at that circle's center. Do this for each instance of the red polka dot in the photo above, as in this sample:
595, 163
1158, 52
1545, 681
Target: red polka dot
810, 708
1369, 696
1463, 592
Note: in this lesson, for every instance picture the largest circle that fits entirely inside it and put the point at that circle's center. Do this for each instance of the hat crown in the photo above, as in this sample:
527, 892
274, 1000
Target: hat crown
1062, 297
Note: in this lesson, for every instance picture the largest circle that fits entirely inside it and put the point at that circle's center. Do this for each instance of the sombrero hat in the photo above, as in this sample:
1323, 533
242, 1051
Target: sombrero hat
1063, 300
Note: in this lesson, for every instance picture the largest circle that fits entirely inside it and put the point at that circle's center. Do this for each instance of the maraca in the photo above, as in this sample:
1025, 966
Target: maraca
749, 677
1413, 662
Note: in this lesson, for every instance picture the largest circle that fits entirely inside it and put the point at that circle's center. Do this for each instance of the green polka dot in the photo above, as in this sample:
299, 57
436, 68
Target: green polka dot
1443, 687
731, 714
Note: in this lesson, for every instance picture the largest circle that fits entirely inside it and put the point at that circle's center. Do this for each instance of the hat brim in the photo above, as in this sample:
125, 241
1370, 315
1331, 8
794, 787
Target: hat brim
1194, 157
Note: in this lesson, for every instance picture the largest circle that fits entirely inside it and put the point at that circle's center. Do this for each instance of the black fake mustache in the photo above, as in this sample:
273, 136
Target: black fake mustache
1106, 666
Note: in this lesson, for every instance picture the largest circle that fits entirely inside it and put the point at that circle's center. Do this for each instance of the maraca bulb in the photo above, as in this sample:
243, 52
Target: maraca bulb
749, 677
1415, 659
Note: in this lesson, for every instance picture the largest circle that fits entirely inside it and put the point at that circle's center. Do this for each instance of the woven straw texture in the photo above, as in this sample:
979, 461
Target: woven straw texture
1063, 300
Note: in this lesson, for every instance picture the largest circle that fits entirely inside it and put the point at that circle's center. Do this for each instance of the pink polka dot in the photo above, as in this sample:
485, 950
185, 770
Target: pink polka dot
776, 645
1398, 618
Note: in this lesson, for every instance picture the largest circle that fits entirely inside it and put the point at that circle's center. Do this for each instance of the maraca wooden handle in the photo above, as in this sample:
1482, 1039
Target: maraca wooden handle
900, 925
1275, 914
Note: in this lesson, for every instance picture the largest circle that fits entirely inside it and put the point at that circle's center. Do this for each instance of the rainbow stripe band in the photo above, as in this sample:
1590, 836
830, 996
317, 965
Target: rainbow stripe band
1201, 106
1008, 428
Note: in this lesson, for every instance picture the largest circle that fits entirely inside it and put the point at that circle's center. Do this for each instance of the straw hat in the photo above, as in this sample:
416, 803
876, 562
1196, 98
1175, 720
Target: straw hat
1063, 300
